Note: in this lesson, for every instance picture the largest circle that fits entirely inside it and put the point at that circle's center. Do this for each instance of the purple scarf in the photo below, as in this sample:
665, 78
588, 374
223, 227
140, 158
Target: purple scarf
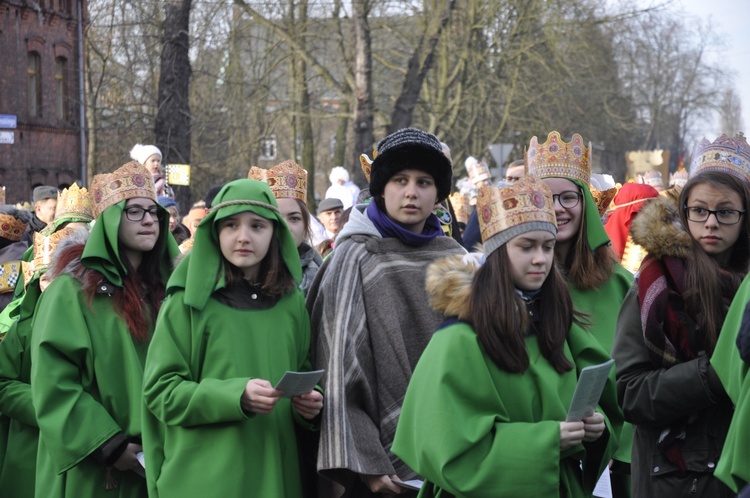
389, 228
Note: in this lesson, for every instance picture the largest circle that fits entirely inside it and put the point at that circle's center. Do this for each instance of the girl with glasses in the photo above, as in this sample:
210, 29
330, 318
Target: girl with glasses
597, 283
91, 332
698, 253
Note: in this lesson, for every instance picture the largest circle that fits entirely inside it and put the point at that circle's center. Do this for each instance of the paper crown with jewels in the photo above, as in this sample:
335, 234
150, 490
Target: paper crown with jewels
730, 155
461, 206
127, 182
506, 212
45, 245
11, 228
603, 198
679, 178
366, 163
477, 170
73, 204
654, 179
557, 158
287, 180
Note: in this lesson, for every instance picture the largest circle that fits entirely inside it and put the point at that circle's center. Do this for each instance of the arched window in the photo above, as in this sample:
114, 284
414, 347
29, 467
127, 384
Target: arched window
61, 87
34, 72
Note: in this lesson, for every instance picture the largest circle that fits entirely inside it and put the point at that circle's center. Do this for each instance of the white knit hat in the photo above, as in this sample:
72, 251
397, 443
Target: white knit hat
338, 173
142, 152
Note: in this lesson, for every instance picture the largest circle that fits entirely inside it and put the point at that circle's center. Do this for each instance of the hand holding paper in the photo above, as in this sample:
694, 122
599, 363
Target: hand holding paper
588, 391
296, 383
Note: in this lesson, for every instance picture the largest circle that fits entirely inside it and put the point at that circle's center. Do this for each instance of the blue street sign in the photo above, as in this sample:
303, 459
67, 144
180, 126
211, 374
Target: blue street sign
8, 120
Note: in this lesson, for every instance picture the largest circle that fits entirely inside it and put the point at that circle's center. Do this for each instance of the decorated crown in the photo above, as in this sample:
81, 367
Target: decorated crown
2, 194
11, 228
506, 212
477, 170
654, 179
287, 180
679, 178
730, 155
603, 198
128, 181
366, 163
557, 158
45, 244
461, 206
73, 204
27, 270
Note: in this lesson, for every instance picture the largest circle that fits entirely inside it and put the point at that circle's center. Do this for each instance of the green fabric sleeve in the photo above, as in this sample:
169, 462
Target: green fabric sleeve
15, 393
170, 391
72, 423
726, 360
454, 429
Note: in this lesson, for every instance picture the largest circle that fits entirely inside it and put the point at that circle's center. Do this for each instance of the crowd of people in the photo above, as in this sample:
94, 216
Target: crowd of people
142, 351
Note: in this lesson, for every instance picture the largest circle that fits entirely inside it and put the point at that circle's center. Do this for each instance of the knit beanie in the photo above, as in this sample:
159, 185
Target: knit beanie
410, 148
142, 152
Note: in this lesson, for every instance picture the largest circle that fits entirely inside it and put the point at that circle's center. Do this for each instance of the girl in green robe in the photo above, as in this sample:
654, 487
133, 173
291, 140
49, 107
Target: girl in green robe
91, 331
485, 408
233, 323
597, 283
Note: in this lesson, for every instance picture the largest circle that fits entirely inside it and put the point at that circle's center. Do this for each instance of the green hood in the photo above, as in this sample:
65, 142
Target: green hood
197, 273
102, 252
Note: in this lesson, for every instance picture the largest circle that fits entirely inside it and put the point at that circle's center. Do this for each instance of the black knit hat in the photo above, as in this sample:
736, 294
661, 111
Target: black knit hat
410, 148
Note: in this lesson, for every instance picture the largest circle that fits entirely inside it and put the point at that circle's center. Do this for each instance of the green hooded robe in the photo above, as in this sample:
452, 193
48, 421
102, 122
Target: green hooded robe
198, 442
733, 467
87, 370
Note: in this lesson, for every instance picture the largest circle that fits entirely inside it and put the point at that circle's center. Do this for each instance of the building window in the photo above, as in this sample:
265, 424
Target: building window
61, 87
65, 6
268, 148
34, 72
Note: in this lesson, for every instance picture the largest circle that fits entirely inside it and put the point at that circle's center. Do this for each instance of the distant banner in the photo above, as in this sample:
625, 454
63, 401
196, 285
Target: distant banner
178, 174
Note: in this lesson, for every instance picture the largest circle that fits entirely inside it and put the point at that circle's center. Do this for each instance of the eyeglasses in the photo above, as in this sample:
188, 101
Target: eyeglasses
135, 213
568, 199
723, 216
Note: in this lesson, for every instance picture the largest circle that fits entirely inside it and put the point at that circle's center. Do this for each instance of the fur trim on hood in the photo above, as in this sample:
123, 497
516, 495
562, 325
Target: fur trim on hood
449, 284
67, 256
658, 229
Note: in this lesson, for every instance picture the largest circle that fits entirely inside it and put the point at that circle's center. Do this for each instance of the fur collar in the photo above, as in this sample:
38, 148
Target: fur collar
67, 256
449, 284
657, 228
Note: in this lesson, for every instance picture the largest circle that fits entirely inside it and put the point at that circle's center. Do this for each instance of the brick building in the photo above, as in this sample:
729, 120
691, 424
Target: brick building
40, 93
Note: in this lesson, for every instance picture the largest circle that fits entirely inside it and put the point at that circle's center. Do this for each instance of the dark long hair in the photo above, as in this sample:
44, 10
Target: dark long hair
710, 283
274, 277
500, 319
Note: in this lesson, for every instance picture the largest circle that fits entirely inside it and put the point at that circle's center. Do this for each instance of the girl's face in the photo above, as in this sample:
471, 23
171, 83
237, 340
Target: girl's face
174, 217
153, 164
294, 217
715, 238
409, 198
139, 227
531, 255
244, 239
568, 218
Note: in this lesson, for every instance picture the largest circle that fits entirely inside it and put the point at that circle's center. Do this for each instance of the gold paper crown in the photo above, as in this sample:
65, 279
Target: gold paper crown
461, 206
730, 155
45, 245
679, 178
603, 198
557, 158
127, 182
11, 228
477, 170
366, 163
505, 212
73, 204
27, 269
287, 180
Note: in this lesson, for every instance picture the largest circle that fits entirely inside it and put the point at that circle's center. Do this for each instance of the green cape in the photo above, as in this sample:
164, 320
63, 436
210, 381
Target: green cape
102, 251
201, 266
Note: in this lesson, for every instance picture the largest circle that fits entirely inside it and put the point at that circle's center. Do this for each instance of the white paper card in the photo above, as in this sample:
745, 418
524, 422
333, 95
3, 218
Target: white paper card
603, 488
296, 383
588, 391
412, 484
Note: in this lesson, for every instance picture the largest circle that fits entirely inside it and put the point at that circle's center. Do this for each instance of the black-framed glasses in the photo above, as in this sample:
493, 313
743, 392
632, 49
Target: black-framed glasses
137, 213
568, 199
723, 216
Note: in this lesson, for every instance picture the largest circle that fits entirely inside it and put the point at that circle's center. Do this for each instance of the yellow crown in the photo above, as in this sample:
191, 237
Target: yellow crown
506, 212
461, 206
45, 245
73, 204
11, 228
557, 158
287, 180
603, 198
730, 155
366, 163
127, 182
27, 270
